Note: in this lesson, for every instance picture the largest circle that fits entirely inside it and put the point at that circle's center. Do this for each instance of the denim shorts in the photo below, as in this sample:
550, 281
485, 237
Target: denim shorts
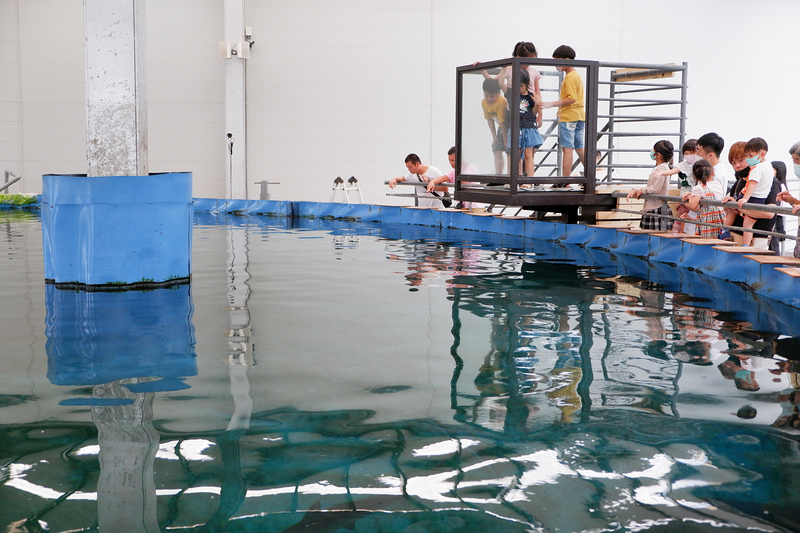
570, 134
530, 138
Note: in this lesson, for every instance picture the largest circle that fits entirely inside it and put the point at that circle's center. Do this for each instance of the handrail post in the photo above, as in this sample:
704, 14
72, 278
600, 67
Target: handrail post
684, 91
8, 183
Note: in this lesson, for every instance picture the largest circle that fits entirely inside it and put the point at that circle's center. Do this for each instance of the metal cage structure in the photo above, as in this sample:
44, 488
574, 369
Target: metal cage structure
618, 134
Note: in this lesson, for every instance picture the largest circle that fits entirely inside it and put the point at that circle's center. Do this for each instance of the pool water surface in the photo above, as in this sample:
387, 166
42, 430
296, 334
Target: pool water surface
323, 376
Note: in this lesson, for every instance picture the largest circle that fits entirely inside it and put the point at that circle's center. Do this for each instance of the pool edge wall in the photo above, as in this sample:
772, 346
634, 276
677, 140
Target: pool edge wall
762, 279
117, 231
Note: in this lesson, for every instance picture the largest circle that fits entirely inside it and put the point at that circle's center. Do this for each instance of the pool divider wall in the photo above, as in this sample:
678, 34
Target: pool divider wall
649, 249
117, 231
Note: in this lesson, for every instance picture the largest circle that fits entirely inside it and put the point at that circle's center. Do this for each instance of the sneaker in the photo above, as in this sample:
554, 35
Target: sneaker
724, 235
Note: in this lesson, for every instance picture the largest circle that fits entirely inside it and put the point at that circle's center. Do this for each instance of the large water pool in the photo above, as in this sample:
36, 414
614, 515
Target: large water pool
332, 376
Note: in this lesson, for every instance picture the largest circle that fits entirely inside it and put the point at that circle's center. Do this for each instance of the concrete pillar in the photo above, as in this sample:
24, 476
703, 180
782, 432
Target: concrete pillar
116, 98
235, 100
119, 225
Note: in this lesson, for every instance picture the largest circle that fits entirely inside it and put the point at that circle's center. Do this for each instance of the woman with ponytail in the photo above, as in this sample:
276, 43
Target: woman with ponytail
657, 212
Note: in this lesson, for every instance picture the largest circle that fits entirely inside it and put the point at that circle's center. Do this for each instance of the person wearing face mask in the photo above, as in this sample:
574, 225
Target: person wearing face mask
737, 159
759, 184
785, 196
686, 182
656, 211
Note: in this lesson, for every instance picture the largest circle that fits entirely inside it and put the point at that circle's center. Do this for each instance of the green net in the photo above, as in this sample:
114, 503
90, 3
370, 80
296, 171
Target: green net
17, 199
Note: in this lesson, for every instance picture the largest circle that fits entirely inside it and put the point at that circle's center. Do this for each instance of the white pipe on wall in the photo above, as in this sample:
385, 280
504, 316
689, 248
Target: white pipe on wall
235, 100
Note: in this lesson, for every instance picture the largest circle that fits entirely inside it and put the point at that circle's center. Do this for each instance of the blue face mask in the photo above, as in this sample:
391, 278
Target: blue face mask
797, 170
753, 161
653, 155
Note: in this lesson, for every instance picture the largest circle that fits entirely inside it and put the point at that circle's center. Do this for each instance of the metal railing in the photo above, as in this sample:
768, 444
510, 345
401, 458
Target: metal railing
765, 208
10, 179
417, 196
664, 103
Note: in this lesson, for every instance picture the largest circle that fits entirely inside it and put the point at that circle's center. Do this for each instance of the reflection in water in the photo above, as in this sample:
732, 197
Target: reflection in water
99, 337
592, 401
233, 485
335, 469
126, 490
127, 346
540, 339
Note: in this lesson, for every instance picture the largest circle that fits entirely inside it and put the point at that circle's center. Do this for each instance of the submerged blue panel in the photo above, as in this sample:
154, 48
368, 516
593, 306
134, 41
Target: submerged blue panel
641, 255
117, 230
99, 337
666, 250
602, 238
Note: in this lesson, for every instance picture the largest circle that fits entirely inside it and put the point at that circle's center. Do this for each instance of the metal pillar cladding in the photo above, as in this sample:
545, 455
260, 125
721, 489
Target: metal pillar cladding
235, 49
116, 98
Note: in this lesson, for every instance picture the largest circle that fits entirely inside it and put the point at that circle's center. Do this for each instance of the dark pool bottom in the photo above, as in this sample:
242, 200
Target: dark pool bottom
339, 376
610, 470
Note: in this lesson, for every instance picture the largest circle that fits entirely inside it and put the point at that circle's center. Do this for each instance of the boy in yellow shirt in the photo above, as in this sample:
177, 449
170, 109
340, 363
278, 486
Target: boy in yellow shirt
495, 111
571, 111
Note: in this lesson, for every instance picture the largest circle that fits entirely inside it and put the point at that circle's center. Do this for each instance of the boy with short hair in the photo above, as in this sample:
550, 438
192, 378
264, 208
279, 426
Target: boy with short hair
709, 147
571, 111
759, 184
495, 111
422, 174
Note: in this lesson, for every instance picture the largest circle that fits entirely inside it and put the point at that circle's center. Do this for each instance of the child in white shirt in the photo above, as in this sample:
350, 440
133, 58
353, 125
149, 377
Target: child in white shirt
759, 184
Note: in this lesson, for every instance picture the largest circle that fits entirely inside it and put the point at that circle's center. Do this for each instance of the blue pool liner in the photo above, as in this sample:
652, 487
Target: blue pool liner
117, 230
635, 254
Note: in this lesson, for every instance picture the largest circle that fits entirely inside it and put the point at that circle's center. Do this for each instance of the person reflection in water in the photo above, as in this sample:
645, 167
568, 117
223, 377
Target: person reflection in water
510, 371
789, 398
744, 378
504, 376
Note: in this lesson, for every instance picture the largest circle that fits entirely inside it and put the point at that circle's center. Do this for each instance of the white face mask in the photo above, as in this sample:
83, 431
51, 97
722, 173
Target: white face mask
797, 170
692, 159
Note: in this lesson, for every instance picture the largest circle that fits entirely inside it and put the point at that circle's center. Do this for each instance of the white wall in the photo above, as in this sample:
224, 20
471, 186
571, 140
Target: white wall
341, 89
41, 90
